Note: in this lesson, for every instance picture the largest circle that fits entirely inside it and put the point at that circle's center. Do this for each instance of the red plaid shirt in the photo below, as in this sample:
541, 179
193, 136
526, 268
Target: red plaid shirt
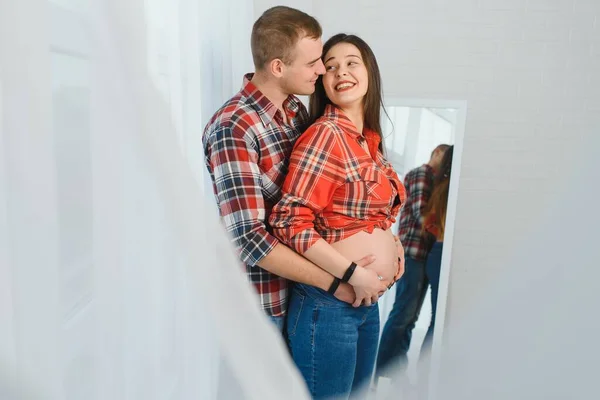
246, 147
338, 184
419, 184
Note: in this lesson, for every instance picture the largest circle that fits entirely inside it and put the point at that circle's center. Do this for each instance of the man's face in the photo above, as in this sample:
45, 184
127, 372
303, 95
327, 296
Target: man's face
300, 76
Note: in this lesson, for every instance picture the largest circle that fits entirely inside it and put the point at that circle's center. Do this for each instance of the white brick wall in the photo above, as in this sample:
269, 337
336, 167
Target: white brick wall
529, 70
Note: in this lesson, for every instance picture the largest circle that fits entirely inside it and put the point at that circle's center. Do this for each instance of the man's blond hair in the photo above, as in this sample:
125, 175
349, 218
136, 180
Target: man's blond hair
276, 33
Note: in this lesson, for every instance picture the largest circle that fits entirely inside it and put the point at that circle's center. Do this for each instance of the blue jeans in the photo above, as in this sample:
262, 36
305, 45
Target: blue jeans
397, 333
432, 269
333, 344
279, 322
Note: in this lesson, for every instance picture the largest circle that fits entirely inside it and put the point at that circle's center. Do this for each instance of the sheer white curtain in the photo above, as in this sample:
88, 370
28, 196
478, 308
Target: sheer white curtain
116, 280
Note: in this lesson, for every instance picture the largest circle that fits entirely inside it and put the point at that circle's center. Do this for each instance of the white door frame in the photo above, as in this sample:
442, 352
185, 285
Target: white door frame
461, 107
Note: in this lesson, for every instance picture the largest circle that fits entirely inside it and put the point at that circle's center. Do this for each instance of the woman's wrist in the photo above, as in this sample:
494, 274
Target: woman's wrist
349, 272
357, 276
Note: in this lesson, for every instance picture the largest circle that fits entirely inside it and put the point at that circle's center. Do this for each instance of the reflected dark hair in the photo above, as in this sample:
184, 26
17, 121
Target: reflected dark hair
438, 202
441, 147
373, 102
445, 168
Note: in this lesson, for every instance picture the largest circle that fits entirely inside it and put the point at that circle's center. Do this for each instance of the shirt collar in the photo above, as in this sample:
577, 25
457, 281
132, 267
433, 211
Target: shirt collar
264, 107
335, 113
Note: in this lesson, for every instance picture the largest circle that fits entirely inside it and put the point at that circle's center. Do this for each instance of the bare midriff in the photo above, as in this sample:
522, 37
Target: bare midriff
379, 243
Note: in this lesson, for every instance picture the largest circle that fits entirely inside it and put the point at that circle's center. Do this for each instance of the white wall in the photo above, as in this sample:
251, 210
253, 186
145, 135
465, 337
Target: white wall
529, 71
262, 5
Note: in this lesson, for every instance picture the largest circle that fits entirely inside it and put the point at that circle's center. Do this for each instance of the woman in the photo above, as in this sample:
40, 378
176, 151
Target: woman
340, 198
435, 224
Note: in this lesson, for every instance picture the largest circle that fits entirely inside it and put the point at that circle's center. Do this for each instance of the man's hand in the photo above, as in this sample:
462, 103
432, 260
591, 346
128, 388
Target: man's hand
345, 292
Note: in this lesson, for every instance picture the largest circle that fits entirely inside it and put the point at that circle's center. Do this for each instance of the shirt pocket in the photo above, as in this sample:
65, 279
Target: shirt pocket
365, 194
374, 185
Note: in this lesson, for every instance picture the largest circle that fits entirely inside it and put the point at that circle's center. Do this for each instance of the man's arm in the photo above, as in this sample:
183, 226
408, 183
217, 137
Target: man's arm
285, 262
418, 190
236, 179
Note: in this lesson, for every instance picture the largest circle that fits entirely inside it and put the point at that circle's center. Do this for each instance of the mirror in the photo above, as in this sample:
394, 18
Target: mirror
417, 134
411, 134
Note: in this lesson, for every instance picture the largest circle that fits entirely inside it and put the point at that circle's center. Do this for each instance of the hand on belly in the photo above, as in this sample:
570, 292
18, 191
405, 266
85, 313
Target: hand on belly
380, 243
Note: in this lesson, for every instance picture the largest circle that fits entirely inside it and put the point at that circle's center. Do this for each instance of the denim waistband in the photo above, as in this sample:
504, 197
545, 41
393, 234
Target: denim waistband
318, 295
322, 297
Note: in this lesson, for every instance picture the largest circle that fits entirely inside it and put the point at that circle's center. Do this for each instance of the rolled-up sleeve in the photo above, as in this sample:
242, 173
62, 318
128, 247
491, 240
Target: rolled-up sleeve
237, 185
317, 169
416, 184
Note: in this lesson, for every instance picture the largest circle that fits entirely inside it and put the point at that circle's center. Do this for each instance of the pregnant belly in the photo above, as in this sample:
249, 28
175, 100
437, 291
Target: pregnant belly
380, 243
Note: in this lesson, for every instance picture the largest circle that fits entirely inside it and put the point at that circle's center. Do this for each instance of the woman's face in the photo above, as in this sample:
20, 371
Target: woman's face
346, 78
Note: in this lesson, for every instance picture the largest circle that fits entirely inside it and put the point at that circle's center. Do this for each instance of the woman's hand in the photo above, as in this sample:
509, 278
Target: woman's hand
400, 271
367, 286
345, 292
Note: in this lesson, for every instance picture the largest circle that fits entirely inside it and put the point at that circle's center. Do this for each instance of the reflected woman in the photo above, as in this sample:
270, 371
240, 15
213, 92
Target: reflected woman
434, 225
339, 200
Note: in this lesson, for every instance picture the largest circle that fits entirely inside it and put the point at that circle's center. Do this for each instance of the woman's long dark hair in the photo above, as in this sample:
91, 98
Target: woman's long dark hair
438, 202
373, 104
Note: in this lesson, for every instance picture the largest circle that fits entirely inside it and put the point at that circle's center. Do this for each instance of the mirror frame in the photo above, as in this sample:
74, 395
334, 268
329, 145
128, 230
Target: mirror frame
441, 308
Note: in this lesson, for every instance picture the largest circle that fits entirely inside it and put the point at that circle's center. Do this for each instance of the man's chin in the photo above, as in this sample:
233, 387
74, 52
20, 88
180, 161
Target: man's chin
306, 92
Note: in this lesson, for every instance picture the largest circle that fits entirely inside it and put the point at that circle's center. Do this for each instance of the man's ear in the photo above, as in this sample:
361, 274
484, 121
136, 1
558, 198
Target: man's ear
277, 67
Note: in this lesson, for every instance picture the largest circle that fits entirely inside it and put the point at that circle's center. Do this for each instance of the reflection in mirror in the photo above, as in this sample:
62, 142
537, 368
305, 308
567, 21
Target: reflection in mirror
420, 145
411, 134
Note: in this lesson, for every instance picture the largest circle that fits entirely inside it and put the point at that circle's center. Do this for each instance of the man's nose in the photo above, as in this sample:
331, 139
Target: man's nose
320, 67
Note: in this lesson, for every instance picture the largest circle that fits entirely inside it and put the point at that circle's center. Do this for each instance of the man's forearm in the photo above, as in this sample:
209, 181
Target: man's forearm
283, 261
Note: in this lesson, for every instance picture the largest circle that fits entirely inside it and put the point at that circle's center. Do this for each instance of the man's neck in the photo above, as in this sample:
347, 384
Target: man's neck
272, 91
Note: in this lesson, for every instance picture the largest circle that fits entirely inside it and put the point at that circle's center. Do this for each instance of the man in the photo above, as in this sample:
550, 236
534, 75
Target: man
247, 144
412, 287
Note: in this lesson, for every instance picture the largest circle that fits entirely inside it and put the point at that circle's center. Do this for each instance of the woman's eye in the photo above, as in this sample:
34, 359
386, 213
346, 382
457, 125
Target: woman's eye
329, 68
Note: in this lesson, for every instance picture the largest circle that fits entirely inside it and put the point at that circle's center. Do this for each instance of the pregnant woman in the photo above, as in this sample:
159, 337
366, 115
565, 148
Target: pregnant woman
340, 198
